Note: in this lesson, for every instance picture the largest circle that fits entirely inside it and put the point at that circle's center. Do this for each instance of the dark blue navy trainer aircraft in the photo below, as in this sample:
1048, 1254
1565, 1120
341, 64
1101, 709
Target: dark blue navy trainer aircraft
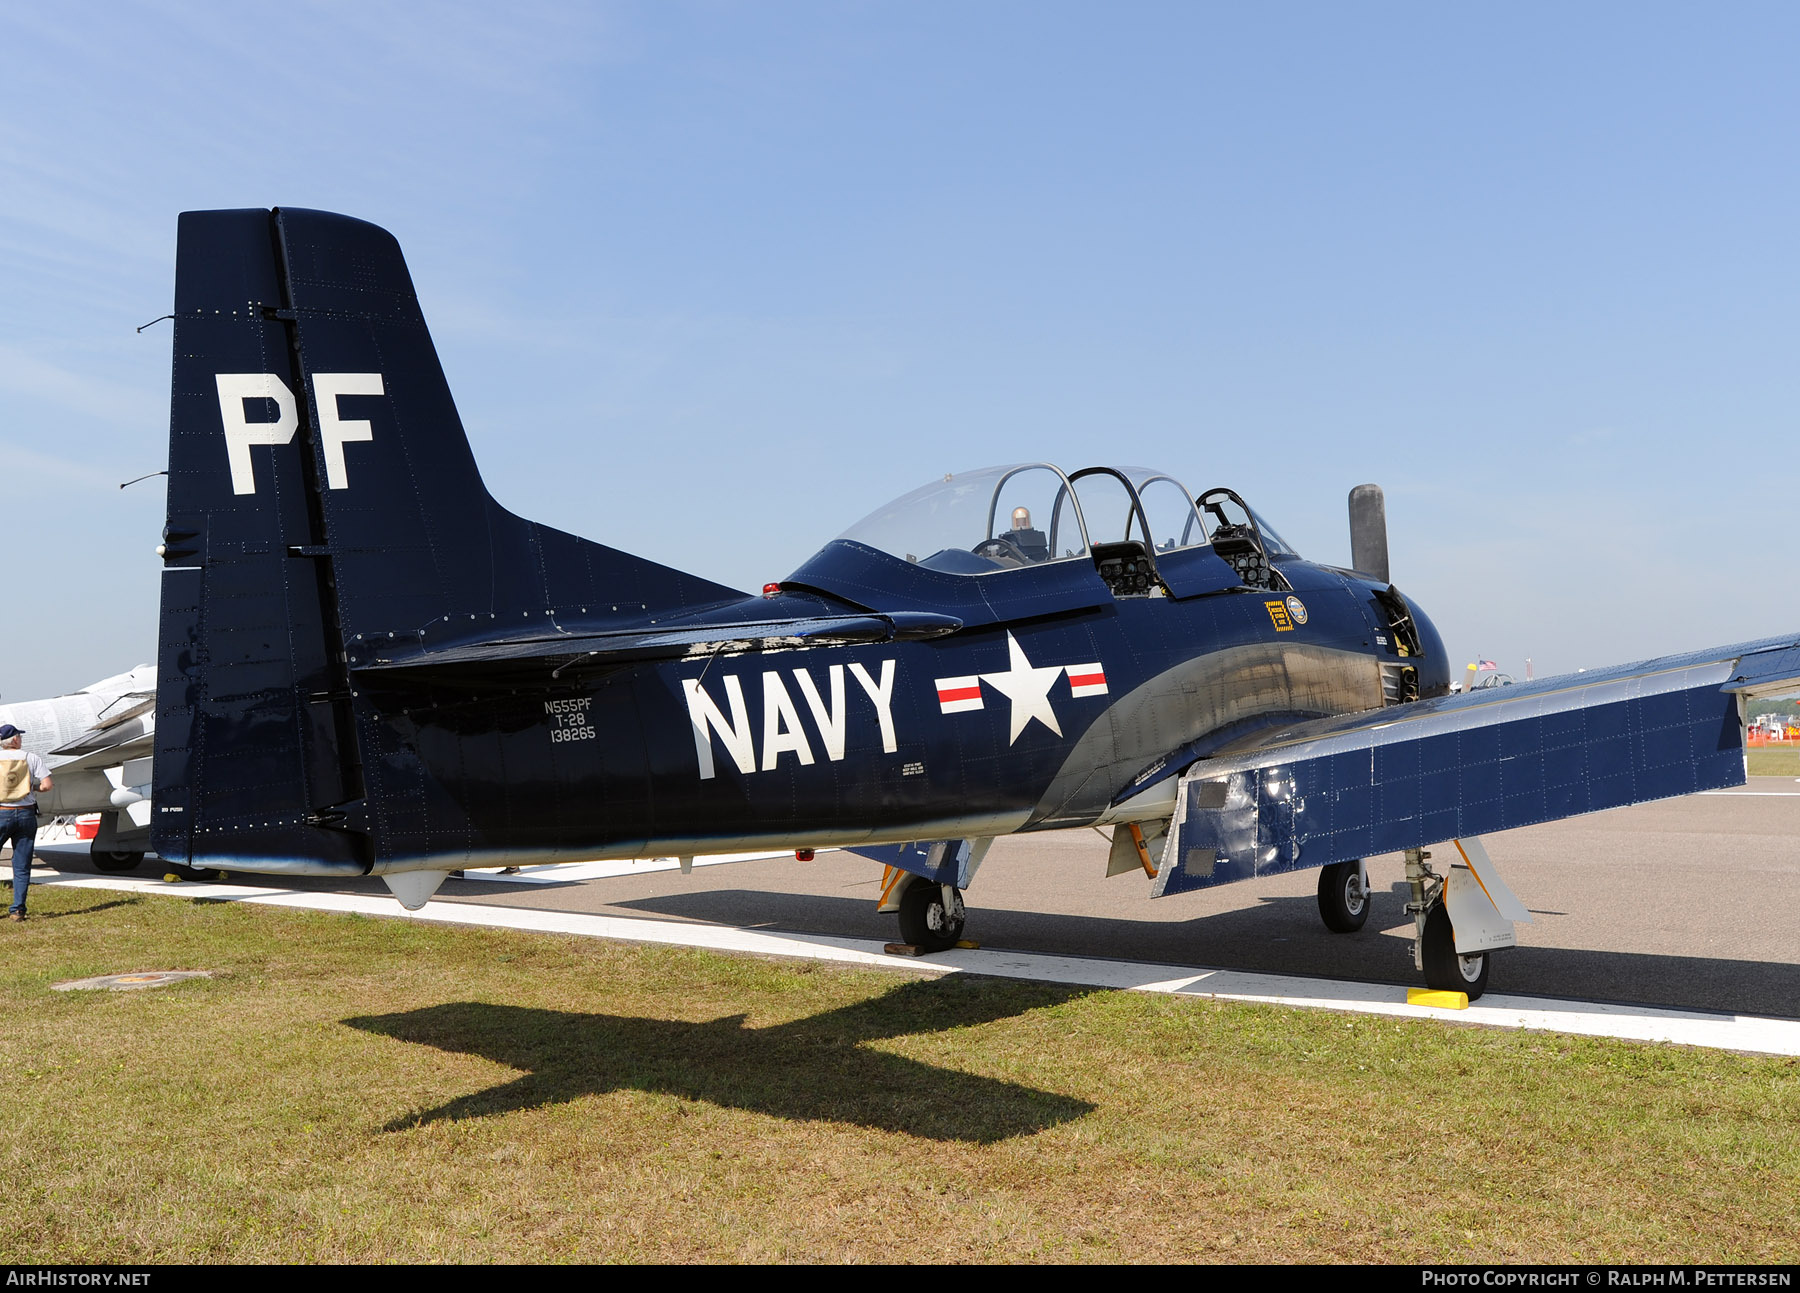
368, 666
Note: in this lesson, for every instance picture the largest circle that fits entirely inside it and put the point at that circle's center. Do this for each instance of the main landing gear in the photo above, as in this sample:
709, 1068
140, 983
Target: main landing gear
931, 916
1344, 899
1434, 941
1344, 896
1444, 968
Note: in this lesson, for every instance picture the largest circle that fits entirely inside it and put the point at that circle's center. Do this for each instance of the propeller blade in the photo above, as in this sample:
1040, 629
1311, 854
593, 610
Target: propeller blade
1368, 532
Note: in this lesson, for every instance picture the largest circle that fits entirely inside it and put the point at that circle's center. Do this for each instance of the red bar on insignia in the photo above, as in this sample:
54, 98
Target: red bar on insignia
1087, 680
957, 695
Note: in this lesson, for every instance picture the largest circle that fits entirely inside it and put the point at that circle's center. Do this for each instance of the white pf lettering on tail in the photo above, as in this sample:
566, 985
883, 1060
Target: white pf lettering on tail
335, 430
240, 433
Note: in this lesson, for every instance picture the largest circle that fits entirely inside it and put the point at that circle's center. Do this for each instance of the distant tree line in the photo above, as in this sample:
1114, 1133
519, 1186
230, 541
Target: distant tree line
1790, 707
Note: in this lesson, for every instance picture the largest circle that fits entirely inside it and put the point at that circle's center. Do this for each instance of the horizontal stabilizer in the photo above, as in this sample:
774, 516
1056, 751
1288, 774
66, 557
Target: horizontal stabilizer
573, 652
1416, 775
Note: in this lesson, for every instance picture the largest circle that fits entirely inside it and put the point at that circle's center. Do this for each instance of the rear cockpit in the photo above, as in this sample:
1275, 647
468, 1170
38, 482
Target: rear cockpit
1122, 520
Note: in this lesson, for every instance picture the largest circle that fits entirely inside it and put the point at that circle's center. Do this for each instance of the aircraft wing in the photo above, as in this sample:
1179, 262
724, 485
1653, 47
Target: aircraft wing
140, 747
129, 738
586, 650
1419, 774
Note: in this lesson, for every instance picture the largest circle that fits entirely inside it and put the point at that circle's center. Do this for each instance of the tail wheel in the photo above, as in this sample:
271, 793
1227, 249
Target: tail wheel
1445, 970
925, 922
1343, 897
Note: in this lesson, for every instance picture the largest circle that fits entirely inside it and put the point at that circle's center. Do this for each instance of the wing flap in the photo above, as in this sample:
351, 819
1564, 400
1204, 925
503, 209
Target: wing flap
1416, 775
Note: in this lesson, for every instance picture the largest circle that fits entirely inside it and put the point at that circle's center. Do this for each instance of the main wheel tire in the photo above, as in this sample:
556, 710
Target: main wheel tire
113, 861
1343, 898
924, 922
1444, 969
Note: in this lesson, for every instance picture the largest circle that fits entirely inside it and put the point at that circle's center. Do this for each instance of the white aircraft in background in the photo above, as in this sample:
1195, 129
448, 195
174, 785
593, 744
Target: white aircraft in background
97, 743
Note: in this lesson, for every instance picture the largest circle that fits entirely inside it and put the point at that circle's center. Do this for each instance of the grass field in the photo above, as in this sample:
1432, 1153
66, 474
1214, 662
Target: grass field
348, 1089
1776, 762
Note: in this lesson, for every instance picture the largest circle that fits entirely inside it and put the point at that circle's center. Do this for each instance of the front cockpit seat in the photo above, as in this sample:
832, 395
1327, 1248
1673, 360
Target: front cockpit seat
1031, 542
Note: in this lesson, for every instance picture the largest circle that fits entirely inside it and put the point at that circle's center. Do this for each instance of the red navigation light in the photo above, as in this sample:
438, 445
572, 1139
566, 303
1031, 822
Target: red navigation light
803, 855
770, 590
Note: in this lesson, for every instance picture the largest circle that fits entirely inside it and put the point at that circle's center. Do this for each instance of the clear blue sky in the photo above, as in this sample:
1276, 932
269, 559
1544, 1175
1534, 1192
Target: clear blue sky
712, 280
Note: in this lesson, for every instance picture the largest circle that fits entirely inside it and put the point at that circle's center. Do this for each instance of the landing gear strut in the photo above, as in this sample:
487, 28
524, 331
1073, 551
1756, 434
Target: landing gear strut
931, 916
1434, 941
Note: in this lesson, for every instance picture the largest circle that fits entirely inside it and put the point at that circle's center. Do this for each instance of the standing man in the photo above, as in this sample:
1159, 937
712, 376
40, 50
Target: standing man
22, 775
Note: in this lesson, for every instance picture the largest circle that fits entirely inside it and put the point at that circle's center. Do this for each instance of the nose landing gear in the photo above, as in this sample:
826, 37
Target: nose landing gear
931, 916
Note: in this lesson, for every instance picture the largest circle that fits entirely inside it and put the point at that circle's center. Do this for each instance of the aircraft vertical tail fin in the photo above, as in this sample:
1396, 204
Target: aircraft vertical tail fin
322, 493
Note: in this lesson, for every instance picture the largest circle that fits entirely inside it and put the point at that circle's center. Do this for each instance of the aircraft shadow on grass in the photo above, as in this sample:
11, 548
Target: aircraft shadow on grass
86, 911
813, 1069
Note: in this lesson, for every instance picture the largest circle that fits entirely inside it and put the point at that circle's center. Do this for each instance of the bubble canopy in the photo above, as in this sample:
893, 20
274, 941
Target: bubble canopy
1002, 518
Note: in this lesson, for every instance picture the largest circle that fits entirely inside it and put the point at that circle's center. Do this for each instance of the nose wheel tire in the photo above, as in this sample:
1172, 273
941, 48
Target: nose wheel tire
925, 922
1343, 897
1444, 969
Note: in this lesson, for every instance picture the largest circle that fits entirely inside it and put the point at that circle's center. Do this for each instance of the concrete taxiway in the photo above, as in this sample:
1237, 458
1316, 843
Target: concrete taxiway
1671, 921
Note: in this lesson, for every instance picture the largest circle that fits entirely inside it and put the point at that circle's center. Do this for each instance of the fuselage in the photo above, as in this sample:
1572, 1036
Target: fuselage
1078, 715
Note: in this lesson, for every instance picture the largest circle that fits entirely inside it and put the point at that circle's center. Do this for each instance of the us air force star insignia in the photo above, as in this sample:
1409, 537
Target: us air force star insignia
1027, 688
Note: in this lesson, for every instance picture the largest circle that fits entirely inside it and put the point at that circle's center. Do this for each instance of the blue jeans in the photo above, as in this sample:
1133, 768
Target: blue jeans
20, 825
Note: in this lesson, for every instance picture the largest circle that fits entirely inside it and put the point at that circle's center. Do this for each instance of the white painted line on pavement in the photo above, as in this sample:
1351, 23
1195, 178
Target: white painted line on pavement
1588, 1018
568, 872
